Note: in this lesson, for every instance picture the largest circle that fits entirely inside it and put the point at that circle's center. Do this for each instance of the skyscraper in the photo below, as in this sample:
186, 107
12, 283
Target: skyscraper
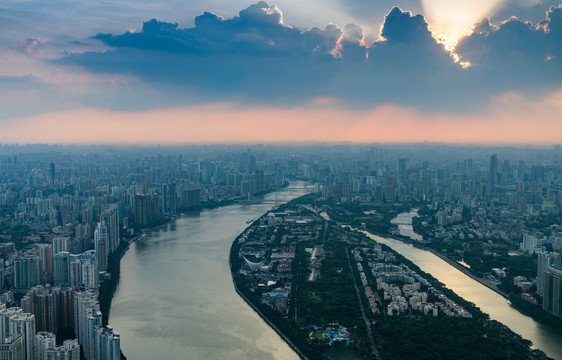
493, 174
41, 302
61, 268
552, 302
87, 317
26, 270
111, 218
107, 344
101, 245
544, 261
84, 270
22, 323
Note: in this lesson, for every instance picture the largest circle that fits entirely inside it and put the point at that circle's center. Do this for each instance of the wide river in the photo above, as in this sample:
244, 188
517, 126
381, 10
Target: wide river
543, 337
176, 300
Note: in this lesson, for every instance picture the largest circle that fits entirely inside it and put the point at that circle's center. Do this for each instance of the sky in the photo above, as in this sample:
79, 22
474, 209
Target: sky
479, 71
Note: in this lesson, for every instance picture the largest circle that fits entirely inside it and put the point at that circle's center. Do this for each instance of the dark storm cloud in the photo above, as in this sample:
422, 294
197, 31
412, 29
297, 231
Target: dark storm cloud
256, 57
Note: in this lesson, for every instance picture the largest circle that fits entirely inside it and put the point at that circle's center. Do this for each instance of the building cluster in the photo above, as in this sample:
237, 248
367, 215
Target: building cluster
64, 211
66, 187
403, 290
267, 251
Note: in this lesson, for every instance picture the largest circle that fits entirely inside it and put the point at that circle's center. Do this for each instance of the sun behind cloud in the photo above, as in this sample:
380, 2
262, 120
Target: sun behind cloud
453, 19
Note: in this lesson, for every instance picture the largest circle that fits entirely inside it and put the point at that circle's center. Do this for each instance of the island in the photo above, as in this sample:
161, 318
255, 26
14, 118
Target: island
330, 292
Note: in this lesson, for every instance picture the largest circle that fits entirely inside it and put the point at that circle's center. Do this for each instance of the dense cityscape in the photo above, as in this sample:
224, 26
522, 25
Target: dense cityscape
68, 213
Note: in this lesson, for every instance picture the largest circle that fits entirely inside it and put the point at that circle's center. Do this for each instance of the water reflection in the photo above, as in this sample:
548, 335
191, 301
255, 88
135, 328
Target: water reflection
543, 337
176, 300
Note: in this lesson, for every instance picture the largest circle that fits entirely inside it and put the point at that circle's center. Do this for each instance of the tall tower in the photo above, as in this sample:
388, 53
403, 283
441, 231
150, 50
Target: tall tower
493, 175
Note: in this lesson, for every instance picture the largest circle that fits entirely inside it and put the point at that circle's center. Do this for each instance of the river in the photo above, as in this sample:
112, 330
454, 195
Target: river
543, 337
176, 300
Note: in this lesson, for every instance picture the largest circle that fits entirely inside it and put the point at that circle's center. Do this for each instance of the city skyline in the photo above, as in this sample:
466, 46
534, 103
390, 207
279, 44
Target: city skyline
281, 72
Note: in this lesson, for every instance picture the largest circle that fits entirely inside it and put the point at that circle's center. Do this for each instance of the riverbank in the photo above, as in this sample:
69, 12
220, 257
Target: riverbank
465, 271
266, 319
108, 288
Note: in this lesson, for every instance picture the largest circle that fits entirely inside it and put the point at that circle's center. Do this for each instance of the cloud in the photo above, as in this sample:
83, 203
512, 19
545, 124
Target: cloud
256, 57
516, 55
30, 46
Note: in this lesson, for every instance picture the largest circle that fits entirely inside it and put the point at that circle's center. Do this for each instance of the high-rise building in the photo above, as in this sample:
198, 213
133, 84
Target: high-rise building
107, 344
544, 261
64, 308
402, 167
61, 268
552, 284
87, 317
101, 245
41, 302
69, 350
111, 219
26, 270
84, 270
493, 171
43, 341
46, 266
13, 348
529, 243
61, 243
23, 323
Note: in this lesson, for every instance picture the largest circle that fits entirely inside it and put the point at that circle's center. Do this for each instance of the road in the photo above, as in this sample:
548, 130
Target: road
367, 322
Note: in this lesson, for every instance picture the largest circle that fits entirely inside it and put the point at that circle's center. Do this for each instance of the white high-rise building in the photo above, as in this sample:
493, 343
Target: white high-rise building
529, 243
43, 341
13, 348
544, 260
23, 323
87, 317
61, 243
111, 219
107, 344
101, 243
70, 350
84, 270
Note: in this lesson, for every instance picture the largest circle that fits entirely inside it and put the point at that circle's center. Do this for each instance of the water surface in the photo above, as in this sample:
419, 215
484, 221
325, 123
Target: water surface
176, 300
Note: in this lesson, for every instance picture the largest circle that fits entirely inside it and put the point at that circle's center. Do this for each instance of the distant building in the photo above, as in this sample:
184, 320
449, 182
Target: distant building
529, 244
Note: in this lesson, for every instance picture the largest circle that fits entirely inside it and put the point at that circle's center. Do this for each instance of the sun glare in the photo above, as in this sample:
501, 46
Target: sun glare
454, 18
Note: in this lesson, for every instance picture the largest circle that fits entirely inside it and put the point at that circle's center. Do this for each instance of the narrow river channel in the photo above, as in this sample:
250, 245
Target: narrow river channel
543, 337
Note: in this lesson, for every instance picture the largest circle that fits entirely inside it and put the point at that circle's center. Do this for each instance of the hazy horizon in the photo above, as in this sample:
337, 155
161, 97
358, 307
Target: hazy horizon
222, 71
